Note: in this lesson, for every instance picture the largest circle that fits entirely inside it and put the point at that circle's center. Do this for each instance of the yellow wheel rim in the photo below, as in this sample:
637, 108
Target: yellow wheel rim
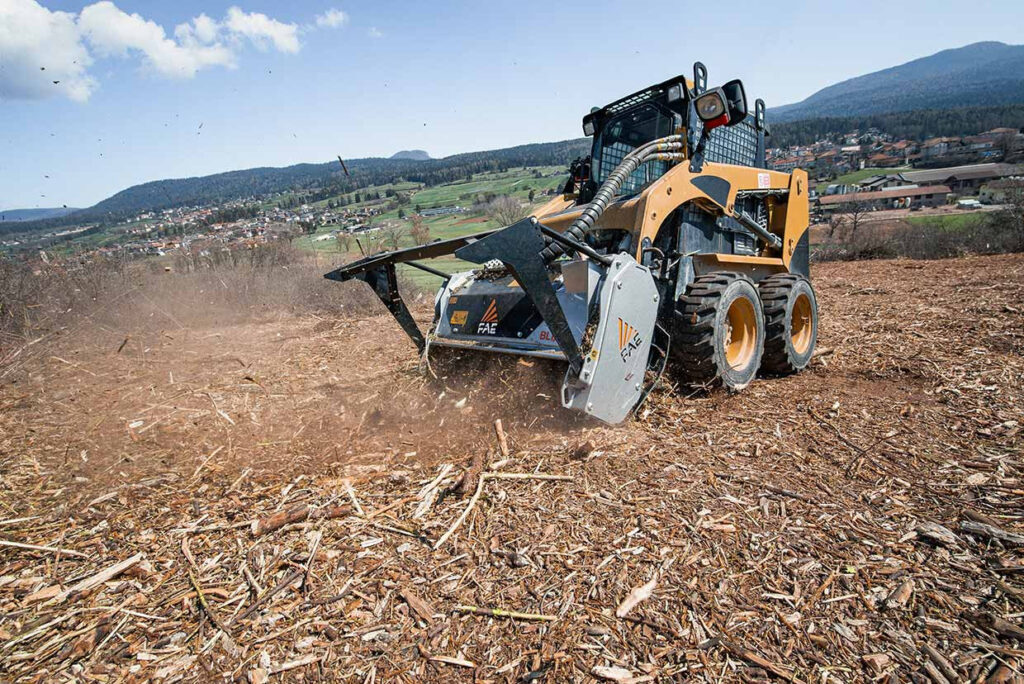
741, 333
802, 324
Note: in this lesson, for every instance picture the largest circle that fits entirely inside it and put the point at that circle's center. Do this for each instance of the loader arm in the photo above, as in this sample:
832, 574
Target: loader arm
716, 187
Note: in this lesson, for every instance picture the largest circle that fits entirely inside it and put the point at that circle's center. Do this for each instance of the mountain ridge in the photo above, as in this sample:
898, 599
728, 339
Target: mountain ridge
36, 214
414, 155
988, 73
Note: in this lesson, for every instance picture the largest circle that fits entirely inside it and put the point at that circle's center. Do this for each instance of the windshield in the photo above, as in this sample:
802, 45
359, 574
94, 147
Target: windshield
625, 133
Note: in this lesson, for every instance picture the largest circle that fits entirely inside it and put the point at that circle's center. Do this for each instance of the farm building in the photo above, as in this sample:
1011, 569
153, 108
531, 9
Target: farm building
997, 192
961, 178
893, 198
442, 211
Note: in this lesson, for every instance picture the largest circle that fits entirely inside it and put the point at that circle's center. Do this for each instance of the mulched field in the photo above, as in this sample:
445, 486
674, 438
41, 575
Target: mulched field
295, 500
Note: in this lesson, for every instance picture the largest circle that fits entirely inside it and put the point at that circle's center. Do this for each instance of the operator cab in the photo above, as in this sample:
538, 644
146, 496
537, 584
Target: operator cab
624, 133
626, 124
665, 109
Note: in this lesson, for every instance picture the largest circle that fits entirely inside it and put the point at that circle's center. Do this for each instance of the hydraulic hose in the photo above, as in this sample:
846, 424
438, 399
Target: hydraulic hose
662, 149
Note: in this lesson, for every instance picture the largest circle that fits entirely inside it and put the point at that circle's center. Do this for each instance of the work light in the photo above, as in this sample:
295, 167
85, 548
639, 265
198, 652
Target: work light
711, 105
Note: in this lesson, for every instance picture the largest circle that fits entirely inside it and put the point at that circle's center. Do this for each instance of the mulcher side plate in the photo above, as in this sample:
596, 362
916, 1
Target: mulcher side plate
612, 379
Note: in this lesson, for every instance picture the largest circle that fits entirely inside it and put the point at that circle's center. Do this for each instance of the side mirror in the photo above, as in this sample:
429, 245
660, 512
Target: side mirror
736, 97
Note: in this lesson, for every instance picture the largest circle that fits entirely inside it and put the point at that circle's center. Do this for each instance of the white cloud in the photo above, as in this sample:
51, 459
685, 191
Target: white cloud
45, 53
41, 54
202, 30
112, 32
262, 30
332, 18
374, 33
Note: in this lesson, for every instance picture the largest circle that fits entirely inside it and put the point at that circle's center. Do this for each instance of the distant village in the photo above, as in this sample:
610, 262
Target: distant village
969, 171
156, 233
159, 232
874, 149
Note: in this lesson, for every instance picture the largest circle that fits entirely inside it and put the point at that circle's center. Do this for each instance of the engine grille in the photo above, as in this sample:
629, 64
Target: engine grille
744, 243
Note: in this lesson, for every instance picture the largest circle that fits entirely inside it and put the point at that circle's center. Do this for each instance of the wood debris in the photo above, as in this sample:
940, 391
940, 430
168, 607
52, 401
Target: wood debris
937, 534
635, 596
861, 521
298, 514
499, 612
620, 675
421, 607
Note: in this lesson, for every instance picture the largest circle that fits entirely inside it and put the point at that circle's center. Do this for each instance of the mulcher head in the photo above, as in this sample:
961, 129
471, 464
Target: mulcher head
596, 312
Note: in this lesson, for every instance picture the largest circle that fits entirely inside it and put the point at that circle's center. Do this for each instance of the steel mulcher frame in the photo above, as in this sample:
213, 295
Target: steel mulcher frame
518, 247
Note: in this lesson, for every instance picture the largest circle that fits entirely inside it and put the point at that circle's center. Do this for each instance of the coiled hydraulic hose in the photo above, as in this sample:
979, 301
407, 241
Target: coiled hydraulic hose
662, 149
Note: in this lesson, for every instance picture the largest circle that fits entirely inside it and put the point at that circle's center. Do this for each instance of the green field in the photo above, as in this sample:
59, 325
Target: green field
859, 175
429, 281
442, 227
948, 221
105, 238
514, 182
466, 193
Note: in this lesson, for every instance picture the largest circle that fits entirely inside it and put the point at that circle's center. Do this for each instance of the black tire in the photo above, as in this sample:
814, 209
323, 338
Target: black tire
702, 343
791, 323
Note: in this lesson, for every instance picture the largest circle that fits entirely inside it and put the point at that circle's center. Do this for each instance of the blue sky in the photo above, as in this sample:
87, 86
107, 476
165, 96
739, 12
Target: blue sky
446, 77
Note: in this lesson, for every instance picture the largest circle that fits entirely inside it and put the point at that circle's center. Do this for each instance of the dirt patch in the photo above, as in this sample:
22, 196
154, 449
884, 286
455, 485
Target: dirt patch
472, 219
781, 531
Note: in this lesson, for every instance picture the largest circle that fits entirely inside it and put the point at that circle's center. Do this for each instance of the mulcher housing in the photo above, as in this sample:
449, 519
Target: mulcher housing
671, 240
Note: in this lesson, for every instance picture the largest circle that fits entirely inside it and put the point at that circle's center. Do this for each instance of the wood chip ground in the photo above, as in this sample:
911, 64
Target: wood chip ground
294, 500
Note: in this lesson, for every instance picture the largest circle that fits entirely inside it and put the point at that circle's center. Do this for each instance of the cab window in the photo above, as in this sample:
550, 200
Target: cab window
625, 133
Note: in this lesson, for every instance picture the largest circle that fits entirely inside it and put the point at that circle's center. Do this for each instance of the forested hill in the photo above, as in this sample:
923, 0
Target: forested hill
988, 73
329, 177
34, 214
916, 125
416, 155
361, 173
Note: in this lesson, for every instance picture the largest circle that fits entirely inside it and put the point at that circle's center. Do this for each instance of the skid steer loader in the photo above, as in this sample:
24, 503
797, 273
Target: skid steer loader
671, 240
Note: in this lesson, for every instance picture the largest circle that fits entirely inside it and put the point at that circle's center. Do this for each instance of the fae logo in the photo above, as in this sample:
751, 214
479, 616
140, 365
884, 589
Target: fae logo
489, 323
629, 340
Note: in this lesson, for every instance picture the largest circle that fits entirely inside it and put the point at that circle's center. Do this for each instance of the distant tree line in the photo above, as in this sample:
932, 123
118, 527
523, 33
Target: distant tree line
232, 214
916, 125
